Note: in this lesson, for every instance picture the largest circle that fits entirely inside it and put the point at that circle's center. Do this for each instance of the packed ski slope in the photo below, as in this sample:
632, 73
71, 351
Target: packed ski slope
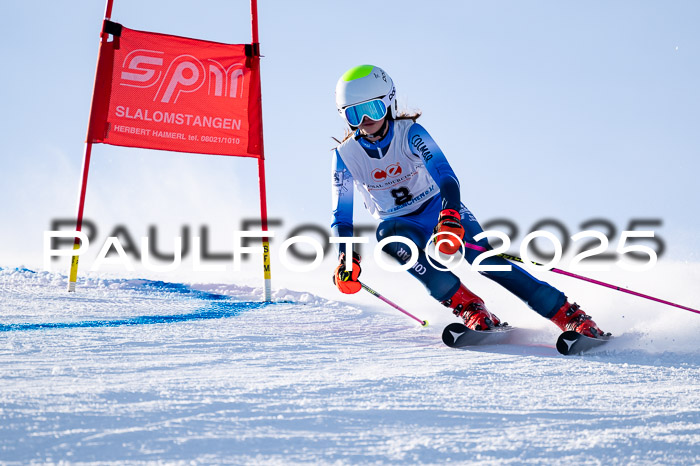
144, 371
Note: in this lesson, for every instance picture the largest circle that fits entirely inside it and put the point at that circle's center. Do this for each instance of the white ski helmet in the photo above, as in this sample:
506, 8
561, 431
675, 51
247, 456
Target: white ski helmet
364, 84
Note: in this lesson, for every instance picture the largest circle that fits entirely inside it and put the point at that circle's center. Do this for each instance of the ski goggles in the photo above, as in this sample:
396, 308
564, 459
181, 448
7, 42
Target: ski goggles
373, 109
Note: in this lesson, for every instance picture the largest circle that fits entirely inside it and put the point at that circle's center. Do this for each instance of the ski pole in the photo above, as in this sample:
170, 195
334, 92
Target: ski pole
424, 323
476, 247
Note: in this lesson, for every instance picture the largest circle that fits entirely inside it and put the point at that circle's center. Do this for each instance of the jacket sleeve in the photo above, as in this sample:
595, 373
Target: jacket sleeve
425, 147
342, 198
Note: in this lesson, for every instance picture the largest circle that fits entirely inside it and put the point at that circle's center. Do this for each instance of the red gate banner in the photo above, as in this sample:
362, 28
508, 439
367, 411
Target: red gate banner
157, 91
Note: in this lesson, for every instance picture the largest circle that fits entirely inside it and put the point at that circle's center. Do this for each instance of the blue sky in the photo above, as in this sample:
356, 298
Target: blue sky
548, 109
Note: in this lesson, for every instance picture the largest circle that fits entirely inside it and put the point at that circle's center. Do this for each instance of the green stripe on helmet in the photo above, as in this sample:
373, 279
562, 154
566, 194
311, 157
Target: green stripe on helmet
357, 72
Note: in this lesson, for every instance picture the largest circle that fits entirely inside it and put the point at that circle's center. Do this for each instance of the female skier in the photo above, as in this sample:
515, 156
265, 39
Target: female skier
407, 184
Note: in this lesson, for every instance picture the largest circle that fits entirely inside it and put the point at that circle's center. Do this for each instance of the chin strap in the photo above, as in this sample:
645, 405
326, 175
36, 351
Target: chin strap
379, 132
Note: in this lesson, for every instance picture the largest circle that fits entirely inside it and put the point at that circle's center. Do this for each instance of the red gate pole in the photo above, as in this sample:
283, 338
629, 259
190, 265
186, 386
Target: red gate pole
73, 275
267, 296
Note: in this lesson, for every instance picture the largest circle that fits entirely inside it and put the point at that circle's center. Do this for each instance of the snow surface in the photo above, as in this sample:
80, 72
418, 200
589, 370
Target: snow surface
147, 371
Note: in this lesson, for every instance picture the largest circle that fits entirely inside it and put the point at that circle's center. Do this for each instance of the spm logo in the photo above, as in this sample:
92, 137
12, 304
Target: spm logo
184, 74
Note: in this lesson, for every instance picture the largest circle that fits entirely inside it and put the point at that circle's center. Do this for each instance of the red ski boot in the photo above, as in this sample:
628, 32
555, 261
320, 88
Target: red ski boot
571, 317
471, 309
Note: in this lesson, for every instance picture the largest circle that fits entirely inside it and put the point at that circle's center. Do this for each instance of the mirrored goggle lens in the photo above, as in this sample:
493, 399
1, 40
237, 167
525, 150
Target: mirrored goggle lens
374, 109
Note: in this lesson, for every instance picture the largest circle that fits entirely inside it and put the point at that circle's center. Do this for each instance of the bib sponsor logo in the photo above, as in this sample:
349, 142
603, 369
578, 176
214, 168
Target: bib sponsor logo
379, 175
392, 171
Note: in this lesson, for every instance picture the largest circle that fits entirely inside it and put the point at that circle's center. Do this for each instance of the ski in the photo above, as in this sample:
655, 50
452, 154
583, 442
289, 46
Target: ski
574, 343
458, 335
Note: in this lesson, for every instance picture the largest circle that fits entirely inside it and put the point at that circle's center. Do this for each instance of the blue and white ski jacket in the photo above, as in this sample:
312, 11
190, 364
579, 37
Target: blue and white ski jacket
395, 175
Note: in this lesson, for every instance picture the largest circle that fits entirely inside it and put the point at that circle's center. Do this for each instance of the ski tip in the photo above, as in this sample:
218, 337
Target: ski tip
458, 335
451, 333
455, 327
566, 341
570, 343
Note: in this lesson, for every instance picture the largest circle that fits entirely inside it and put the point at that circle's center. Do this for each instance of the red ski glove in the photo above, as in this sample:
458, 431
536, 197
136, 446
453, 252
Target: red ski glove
449, 222
346, 281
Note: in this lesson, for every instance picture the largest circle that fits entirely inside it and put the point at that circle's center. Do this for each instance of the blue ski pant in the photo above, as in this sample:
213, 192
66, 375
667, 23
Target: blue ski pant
442, 284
